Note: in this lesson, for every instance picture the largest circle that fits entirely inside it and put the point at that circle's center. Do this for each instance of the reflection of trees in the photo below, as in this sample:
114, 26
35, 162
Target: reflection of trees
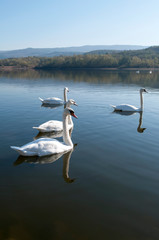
91, 76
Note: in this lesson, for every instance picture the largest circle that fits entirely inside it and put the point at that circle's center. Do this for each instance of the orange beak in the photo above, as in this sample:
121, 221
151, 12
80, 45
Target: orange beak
74, 115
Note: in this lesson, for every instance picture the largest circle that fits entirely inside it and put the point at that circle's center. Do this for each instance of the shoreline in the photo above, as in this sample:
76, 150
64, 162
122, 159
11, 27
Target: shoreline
13, 68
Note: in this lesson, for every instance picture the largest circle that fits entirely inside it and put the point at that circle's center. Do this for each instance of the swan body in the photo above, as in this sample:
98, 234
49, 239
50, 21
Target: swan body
126, 108
55, 100
52, 100
51, 126
42, 147
46, 146
131, 108
54, 125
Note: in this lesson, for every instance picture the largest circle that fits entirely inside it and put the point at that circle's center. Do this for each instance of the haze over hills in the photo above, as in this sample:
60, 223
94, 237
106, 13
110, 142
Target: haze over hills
65, 51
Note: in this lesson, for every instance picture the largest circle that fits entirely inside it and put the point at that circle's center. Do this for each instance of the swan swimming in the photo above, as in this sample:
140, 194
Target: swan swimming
54, 125
130, 108
55, 100
46, 146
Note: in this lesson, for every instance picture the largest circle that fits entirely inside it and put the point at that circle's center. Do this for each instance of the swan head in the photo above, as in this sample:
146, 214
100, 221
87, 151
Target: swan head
71, 102
66, 89
69, 111
143, 90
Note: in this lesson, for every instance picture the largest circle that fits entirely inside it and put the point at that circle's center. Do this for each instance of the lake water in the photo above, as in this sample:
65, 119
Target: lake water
108, 187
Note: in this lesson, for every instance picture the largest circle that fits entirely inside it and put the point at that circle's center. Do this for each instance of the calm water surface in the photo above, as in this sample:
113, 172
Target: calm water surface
108, 187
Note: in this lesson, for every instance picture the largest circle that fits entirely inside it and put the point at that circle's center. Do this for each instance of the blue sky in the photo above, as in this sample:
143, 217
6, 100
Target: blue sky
65, 23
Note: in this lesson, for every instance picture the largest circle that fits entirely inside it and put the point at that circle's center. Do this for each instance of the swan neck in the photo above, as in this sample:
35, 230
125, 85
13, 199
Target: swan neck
141, 101
65, 95
68, 104
70, 122
66, 137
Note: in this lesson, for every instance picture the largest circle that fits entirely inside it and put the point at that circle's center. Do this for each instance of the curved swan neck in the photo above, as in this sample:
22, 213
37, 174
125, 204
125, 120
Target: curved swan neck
70, 120
67, 105
141, 101
66, 137
65, 94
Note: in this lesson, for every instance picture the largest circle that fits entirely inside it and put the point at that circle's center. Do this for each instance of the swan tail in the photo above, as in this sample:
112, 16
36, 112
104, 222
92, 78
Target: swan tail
37, 128
113, 106
19, 150
41, 99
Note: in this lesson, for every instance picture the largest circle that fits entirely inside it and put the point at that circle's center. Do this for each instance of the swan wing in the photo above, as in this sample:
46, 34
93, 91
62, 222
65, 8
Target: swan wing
41, 99
21, 151
125, 107
48, 146
50, 126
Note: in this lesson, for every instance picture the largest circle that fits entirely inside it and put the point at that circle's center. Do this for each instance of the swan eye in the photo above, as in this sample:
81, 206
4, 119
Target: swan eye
71, 112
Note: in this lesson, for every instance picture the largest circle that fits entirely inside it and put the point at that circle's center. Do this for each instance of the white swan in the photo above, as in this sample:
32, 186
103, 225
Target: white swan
46, 146
130, 108
54, 125
55, 100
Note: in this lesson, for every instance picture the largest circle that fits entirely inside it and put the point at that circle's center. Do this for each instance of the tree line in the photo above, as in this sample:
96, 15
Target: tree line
147, 58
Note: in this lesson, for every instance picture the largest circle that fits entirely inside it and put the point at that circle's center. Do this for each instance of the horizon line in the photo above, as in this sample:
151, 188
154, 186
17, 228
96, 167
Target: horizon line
78, 46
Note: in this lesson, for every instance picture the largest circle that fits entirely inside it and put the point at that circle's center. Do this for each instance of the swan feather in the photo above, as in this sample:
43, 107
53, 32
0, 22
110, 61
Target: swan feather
126, 107
51, 126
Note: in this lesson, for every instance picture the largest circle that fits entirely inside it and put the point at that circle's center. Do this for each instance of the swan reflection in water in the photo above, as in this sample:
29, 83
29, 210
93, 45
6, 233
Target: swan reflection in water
51, 105
51, 134
139, 128
50, 159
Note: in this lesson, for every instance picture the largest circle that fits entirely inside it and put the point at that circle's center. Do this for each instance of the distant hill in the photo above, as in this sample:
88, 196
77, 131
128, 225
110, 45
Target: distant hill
101, 52
66, 51
147, 52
